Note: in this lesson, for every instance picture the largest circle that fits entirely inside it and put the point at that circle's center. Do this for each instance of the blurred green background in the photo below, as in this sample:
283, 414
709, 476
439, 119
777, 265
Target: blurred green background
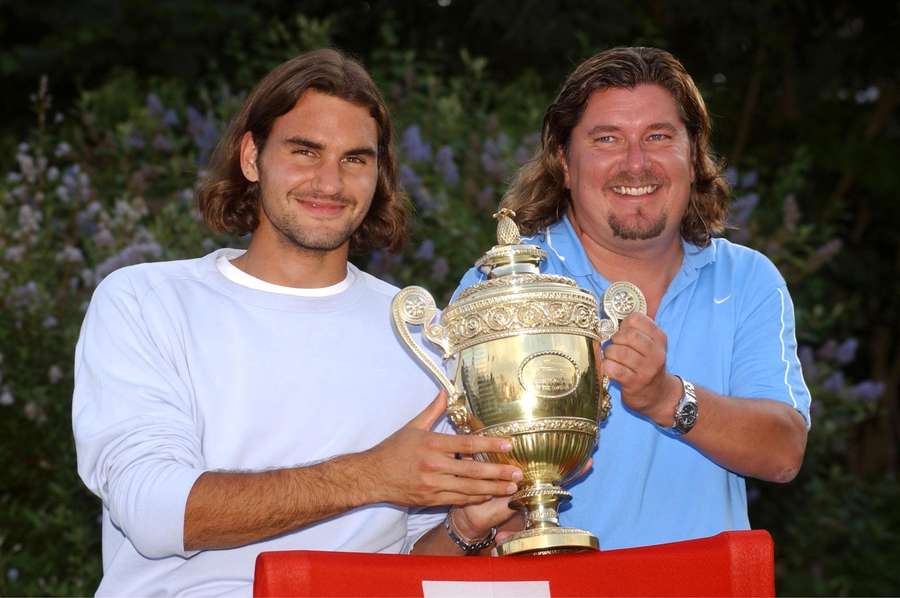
110, 109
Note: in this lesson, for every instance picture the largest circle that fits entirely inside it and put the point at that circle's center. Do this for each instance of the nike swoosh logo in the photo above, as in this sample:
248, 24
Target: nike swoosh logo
722, 300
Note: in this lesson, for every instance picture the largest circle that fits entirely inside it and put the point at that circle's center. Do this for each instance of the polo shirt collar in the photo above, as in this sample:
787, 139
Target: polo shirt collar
561, 239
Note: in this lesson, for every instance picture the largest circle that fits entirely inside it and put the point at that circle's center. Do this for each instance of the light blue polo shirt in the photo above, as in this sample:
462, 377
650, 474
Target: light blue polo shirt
730, 326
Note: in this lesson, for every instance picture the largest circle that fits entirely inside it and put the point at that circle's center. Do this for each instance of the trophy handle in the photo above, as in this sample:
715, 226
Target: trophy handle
606, 328
619, 301
415, 306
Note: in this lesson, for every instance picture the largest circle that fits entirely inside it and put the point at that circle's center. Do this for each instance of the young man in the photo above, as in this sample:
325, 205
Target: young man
259, 400
707, 387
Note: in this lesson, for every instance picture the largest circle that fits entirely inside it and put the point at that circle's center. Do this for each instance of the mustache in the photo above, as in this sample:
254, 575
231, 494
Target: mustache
625, 179
307, 196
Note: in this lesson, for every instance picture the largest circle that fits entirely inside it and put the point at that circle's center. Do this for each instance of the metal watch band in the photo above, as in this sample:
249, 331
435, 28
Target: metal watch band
466, 545
687, 410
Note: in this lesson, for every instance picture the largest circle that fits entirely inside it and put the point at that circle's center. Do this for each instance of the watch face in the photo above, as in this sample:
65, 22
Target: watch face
687, 416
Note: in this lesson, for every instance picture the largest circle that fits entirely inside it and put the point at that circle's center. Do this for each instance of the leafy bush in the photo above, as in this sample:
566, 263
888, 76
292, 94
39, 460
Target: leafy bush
110, 181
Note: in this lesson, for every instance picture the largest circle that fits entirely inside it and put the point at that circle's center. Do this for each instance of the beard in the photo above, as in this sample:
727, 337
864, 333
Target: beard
307, 238
637, 227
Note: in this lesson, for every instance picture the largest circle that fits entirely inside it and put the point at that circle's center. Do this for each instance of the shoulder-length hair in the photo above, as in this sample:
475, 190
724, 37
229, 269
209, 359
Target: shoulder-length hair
229, 202
538, 194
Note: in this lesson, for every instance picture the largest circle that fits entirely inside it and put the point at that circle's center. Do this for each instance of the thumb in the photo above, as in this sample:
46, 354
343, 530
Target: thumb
433, 412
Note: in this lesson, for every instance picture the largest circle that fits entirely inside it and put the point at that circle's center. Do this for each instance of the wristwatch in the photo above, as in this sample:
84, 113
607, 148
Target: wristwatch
467, 546
687, 410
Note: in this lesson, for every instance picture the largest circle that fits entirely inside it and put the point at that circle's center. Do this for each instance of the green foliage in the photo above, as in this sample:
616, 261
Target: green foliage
107, 177
835, 527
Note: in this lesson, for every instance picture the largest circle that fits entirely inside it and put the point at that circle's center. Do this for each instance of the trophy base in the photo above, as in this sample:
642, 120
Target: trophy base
549, 540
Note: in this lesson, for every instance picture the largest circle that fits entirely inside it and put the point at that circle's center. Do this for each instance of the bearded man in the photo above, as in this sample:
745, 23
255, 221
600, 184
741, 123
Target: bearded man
707, 388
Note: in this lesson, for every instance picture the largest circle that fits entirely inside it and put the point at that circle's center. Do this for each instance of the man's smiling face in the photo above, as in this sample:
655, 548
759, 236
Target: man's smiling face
628, 166
317, 173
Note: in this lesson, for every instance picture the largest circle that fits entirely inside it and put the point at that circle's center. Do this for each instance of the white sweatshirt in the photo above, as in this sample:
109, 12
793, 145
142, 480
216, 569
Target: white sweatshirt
181, 370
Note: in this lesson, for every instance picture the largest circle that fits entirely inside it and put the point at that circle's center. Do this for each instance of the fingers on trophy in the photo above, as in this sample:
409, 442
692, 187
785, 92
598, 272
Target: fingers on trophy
527, 349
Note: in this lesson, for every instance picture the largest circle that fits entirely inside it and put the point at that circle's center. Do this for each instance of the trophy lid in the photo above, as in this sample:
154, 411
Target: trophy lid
509, 255
515, 300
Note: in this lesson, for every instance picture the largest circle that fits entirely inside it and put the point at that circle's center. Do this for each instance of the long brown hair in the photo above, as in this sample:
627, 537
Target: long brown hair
538, 194
230, 203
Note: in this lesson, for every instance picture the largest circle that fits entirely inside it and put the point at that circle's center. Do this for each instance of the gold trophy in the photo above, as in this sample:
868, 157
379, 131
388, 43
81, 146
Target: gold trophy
527, 350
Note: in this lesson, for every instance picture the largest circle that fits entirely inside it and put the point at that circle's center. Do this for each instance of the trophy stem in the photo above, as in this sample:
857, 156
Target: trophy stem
542, 534
540, 503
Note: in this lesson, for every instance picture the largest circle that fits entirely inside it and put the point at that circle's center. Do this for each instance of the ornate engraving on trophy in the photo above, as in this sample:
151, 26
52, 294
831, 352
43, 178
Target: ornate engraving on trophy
549, 374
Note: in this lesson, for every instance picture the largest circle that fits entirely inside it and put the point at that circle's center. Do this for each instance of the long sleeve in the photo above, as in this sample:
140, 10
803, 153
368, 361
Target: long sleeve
137, 442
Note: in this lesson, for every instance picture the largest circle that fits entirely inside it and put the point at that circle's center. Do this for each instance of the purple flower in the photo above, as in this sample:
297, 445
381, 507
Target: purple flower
203, 131
834, 382
414, 147
489, 163
522, 155
170, 118
154, 105
63, 194
29, 219
103, 238
532, 141
867, 95
742, 209
828, 350
846, 352
440, 270
815, 408
164, 143
27, 167
414, 185
446, 165
868, 391
808, 362
62, 150
15, 253
23, 296
143, 248
380, 264
134, 141
824, 253
749, 179
75, 182
70, 255
485, 198
491, 155
425, 251
731, 175
408, 176
88, 277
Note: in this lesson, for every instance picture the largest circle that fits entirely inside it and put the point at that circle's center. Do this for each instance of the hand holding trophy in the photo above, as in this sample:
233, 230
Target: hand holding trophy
528, 350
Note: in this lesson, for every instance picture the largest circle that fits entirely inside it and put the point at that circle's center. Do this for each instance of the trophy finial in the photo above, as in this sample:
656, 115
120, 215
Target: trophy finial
509, 256
507, 230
